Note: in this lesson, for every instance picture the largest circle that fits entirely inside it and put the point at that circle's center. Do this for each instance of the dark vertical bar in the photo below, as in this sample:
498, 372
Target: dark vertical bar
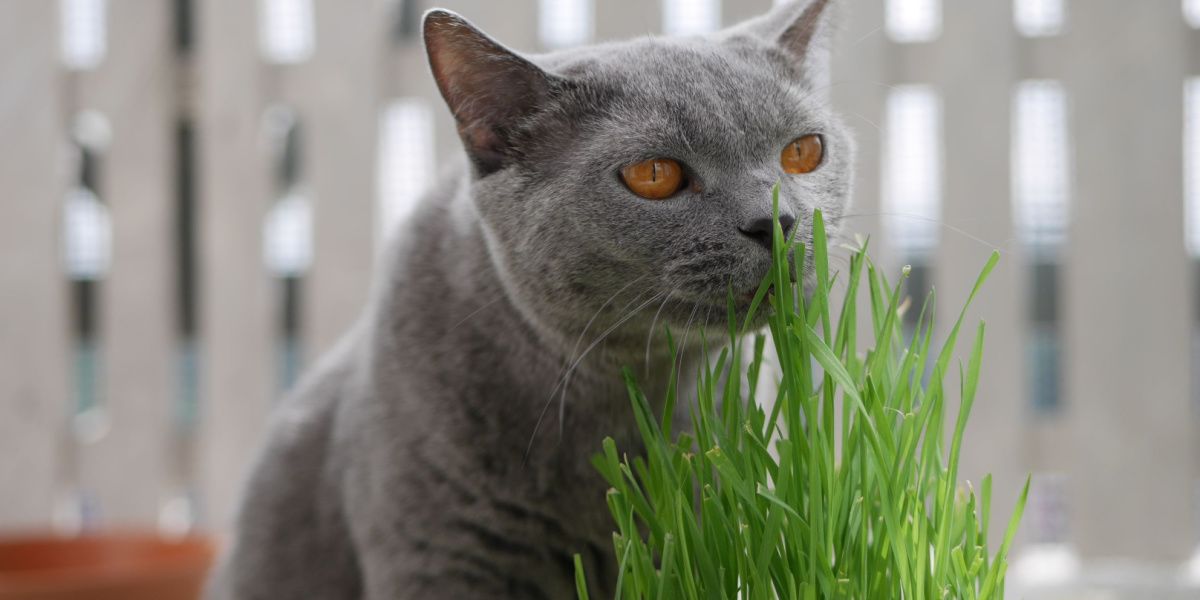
291, 338
185, 229
186, 288
407, 20
1045, 340
184, 34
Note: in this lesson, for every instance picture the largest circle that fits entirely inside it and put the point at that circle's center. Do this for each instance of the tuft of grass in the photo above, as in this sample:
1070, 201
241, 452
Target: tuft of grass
843, 487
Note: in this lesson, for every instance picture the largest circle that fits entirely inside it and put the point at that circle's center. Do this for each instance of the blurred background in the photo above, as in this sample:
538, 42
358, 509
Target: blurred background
193, 194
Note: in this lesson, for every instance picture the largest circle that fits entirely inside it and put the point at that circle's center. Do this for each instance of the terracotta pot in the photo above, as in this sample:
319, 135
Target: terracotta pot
110, 566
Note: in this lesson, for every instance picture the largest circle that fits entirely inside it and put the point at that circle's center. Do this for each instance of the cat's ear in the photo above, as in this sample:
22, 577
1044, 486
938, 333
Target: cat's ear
488, 87
804, 30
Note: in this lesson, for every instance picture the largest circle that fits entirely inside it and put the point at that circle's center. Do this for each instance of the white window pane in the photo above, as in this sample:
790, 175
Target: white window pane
1191, 129
87, 235
691, 17
914, 20
405, 160
912, 169
84, 32
1035, 18
285, 30
287, 236
565, 23
1191, 12
1041, 173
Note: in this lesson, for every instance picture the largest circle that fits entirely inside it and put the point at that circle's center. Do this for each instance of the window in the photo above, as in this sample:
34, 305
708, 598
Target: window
912, 170
285, 30
1191, 12
912, 187
909, 21
1191, 170
87, 235
1191, 196
691, 17
1041, 208
1039, 18
405, 161
565, 23
84, 32
1041, 165
287, 236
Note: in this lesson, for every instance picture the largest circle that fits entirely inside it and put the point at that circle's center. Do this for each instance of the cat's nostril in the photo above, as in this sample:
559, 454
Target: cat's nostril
760, 229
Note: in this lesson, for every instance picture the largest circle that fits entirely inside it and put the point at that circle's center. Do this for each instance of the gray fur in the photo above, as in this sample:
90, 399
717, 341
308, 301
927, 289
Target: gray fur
407, 463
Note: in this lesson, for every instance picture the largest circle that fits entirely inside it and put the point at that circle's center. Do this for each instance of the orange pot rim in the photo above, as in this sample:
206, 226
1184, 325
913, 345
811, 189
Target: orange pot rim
139, 558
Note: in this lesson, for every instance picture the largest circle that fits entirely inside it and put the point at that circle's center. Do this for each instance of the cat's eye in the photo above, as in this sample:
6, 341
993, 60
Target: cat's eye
803, 155
654, 179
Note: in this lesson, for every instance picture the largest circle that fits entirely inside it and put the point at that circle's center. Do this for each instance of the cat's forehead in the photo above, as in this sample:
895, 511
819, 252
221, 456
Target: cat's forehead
658, 67
729, 93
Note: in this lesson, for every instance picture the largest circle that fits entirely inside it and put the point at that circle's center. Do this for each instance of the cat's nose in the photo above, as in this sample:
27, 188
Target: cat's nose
760, 229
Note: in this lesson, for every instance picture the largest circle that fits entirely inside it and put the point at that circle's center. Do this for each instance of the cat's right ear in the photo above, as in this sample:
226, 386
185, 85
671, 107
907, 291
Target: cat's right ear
489, 88
803, 29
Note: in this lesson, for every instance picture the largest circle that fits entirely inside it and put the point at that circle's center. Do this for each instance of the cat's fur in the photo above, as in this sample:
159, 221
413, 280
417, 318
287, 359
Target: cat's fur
403, 467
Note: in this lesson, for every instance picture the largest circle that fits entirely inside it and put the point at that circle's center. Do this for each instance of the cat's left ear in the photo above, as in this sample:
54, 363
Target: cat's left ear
804, 30
489, 88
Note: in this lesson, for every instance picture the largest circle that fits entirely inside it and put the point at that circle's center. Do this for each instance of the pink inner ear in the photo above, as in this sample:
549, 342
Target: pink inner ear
799, 36
487, 87
481, 137
483, 143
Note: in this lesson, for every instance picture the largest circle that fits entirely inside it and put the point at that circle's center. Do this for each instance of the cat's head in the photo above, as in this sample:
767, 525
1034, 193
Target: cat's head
639, 173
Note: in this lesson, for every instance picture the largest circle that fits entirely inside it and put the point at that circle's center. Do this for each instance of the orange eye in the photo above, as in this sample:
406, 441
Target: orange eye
803, 155
654, 179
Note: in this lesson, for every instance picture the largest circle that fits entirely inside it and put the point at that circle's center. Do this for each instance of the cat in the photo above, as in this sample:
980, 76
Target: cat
442, 449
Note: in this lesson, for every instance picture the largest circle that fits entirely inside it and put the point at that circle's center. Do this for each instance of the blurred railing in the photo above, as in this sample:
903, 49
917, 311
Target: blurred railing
191, 202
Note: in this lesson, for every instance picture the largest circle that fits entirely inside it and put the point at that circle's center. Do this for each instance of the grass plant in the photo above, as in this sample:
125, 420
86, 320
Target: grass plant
844, 486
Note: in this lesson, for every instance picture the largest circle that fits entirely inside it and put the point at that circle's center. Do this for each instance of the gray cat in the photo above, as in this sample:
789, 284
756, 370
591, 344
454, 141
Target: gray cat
442, 449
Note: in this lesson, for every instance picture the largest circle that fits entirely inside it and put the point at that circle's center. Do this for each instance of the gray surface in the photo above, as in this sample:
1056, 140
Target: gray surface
238, 318
33, 349
340, 105
1126, 286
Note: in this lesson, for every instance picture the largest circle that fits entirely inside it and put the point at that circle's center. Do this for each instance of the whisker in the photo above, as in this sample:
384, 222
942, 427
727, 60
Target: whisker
869, 122
869, 34
579, 341
687, 330
1002, 248
549, 401
568, 371
475, 312
600, 310
653, 324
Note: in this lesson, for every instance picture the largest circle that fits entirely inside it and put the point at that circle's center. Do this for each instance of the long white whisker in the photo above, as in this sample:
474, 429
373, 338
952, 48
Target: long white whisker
542, 415
566, 383
999, 248
600, 310
653, 324
475, 312
687, 329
